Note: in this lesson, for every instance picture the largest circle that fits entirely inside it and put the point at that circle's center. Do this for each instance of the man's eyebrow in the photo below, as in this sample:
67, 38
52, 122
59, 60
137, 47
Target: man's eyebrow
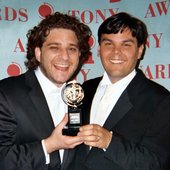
75, 45
129, 40
57, 43
105, 39
53, 43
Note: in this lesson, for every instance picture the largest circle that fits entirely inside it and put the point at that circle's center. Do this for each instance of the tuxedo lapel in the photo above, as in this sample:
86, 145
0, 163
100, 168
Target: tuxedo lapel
125, 102
38, 99
41, 107
89, 89
118, 111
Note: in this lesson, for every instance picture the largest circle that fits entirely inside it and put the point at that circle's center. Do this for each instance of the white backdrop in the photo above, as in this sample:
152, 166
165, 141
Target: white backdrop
18, 16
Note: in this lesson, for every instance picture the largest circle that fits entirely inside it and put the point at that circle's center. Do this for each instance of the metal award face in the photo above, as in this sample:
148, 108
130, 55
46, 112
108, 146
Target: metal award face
72, 95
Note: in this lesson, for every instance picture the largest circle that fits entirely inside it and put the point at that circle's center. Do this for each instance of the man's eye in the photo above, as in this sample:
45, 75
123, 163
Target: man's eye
127, 44
107, 43
54, 47
73, 49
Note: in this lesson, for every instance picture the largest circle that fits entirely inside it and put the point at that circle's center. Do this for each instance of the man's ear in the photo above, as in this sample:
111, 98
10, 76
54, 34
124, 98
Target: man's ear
98, 51
141, 50
38, 53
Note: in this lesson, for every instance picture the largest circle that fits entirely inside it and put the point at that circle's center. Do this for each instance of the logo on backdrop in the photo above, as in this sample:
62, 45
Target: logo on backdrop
92, 41
13, 14
14, 69
112, 1
45, 9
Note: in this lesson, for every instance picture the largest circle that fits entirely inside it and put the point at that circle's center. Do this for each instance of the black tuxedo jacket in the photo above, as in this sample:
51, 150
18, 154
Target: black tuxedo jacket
140, 122
24, 121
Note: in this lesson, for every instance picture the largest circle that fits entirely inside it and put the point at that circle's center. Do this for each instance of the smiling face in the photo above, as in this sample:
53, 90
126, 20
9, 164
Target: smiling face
59, 55
119, 54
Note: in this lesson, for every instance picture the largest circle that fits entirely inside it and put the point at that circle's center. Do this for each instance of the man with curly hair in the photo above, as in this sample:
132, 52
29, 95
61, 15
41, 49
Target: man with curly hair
32, 113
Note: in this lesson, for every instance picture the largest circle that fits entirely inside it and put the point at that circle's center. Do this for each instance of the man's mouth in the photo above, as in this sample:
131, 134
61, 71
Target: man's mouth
62, 67
116, 61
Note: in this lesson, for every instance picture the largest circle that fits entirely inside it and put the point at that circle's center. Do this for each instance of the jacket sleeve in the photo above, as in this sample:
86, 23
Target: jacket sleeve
15, 155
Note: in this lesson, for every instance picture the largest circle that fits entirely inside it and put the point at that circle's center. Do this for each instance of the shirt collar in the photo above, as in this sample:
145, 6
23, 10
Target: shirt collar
123, 82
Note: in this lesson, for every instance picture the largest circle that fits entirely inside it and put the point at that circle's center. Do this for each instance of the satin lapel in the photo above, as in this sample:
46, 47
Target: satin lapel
121, 108
40, 107
39, 103
89, 89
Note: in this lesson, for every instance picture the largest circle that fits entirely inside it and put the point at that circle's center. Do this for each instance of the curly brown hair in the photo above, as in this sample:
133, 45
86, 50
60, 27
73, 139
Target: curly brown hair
37, 36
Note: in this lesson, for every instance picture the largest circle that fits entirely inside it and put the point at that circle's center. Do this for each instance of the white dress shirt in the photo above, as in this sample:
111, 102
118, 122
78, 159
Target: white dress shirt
55, 103
116, 91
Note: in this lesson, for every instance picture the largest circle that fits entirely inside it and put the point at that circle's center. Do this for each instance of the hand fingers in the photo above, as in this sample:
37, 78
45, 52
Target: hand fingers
91, 138
90, 134
72, 141
91, 129
95, 136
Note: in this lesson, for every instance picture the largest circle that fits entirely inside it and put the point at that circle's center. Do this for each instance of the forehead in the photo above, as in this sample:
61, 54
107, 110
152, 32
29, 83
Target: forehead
120, 36
59, 31
61, 35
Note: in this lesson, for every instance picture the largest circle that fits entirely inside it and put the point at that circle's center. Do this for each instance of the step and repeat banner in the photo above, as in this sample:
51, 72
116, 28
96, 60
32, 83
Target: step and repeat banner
18, 16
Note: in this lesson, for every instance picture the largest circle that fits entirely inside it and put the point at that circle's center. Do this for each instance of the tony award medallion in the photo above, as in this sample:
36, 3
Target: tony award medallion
72, 95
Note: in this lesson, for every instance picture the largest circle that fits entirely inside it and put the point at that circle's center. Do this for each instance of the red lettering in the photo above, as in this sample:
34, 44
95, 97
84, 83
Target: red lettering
150, 12
147, 72
19, 46
112, 1
90, 60
160, 71
0, 16
161, 6
83, 75
88, 16
157, 39
10, 12
113, 12
74, 13
99, 12
23, 14
84, 16
154, 39
102, 15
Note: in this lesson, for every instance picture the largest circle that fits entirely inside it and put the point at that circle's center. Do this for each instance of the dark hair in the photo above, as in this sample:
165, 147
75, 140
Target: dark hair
37, 36
122, 21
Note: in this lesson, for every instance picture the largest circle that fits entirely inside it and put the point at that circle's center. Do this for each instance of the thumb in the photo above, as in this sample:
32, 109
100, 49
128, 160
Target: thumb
64, 121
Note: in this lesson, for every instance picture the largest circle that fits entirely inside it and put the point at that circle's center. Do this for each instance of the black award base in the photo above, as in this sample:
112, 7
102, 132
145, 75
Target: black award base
71, 131
74, 122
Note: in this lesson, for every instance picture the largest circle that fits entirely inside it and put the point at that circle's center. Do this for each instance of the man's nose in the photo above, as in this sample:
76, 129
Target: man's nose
64, 53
